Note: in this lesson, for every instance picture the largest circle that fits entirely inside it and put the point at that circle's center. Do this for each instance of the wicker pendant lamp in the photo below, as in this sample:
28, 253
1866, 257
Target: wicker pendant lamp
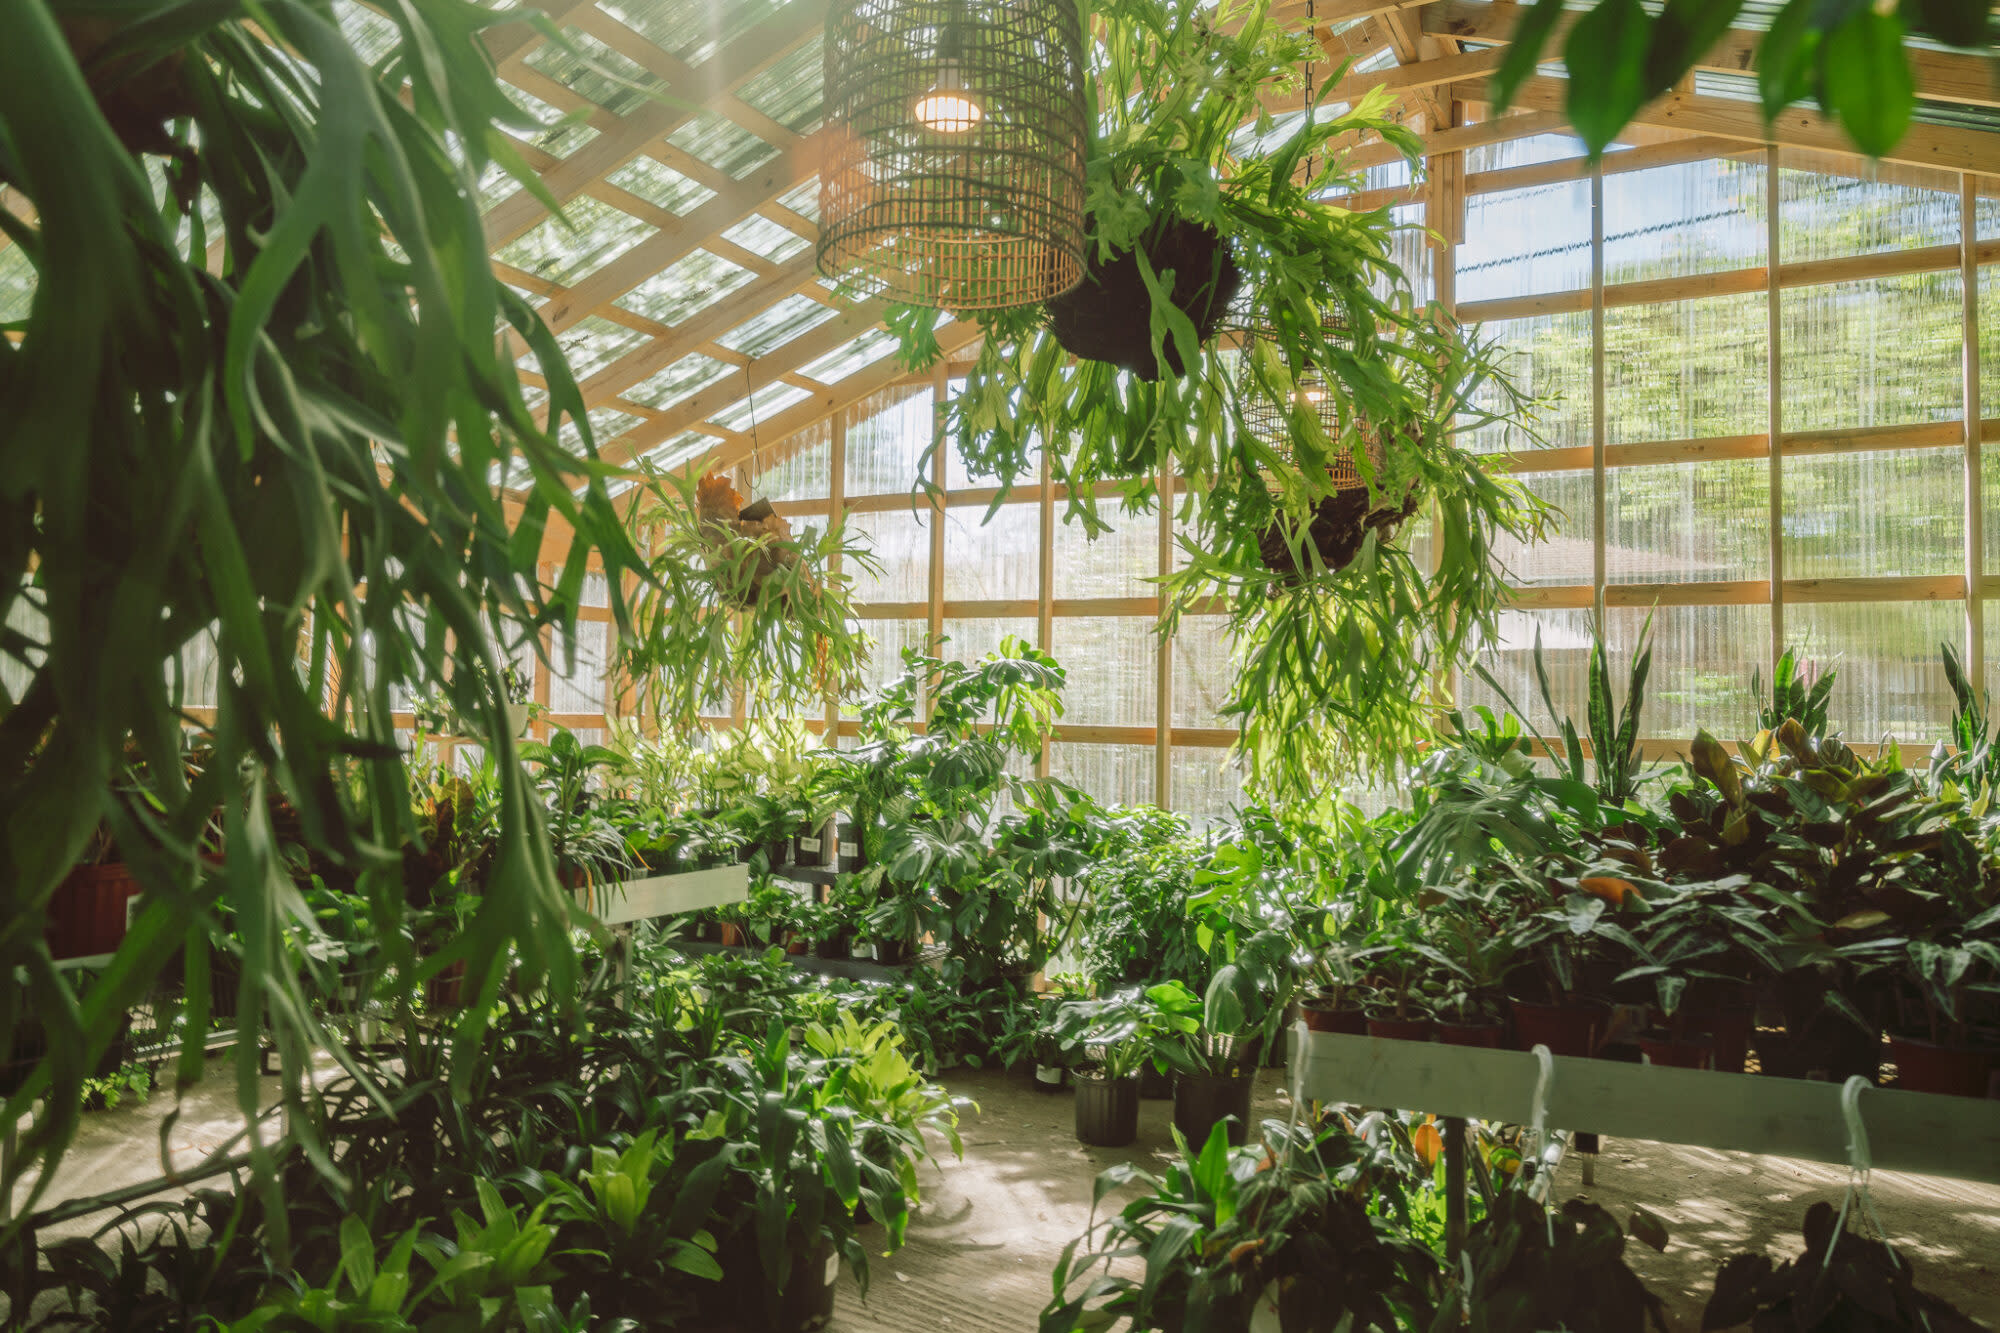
954, 176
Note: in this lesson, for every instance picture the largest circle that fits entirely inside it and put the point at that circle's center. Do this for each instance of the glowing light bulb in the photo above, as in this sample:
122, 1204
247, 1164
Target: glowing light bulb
948, 108
1312, 396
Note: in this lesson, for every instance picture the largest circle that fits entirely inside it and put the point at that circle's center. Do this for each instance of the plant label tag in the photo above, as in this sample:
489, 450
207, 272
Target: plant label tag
850, 849
1048, 1073
809, 845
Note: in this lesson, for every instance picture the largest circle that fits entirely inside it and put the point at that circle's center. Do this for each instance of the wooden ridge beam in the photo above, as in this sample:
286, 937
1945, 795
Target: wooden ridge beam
1923, 145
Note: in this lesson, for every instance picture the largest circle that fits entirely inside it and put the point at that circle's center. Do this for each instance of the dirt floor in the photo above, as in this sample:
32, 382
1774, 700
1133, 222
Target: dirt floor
991, 1226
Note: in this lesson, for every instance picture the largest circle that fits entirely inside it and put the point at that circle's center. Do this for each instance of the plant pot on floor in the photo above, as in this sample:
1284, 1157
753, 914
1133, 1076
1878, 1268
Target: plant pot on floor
1107, 1110
1108, 316
892, 953
1928, 1066
1048, 1078
1572, 1028
1201, 1101
1155, 1084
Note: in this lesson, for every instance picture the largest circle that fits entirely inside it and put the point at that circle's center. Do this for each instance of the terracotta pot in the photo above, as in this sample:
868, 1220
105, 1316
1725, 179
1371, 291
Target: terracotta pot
1955, 1071
731, 934
88, 913
1678, 1052
1492, 1036
444, 991
1566, 1029
1107, 1111
1400, 1029
797, 945
1322, 1016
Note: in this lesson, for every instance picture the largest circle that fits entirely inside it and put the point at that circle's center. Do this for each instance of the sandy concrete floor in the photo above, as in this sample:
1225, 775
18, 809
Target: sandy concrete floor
991, 1226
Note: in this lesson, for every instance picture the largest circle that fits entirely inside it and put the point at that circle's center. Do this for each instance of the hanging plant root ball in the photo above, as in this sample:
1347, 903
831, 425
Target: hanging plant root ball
1341, 522
1108, 317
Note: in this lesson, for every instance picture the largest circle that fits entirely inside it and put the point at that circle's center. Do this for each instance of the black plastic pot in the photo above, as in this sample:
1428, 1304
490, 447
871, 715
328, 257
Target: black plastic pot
834, 947
1107, 1110
1201, 1101
777, 852
892, 953
808, 846
848, 853
809, 1294
1155, 1086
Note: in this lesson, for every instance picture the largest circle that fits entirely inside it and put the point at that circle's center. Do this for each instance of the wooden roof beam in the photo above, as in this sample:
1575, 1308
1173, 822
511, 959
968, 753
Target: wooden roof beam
750, 54
1942, 75
1796, 127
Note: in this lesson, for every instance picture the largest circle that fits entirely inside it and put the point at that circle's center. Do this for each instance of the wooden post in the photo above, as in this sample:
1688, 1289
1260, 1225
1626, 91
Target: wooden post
937, 517
1774, 406
1045, 588
836, 516
1975, 505
1597, 425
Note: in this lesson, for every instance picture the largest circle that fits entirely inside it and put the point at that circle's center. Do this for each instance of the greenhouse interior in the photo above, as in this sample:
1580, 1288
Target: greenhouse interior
1299, 666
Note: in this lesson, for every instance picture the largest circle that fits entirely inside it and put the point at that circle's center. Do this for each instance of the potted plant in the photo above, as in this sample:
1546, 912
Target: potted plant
1109, 1040
1951, 982
1293, 1232
1211, 1045
1333, 1001
1404, 981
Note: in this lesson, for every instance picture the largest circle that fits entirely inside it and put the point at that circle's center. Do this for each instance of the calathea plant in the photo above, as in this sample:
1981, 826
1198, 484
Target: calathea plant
1280, 365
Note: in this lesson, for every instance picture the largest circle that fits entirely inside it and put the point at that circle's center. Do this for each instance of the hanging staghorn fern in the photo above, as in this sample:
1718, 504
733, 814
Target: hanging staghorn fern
260, 379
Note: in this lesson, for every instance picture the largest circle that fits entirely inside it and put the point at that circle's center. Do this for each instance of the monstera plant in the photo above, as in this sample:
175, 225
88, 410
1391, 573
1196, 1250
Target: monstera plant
1238, 331
258, 403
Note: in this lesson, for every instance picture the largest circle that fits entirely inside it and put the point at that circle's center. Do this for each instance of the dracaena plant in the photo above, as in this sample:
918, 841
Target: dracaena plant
258, 398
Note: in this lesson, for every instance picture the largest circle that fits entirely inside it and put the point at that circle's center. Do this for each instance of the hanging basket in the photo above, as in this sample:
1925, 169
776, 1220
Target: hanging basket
1108, 317
1342, 521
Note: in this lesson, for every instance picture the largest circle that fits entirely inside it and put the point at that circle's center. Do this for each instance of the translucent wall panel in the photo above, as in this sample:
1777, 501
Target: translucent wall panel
1510, 659
1703, 657
1203, 671
578, 686
1522, 242
1113, 671
1989, 338
1868, 515
1410, 250
900, 541
972, 638
1535, 149
885, 658
1687, 218
1887, 655
1206, 784
1548, 357
800, 468
886, 437
1567, 555
1687, 522
1114, 774
1825, 217
1112, 564
1883, 352
992, 558
1685, 370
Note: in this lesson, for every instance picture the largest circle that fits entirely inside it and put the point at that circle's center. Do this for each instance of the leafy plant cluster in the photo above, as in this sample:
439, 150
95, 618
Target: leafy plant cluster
674, 1161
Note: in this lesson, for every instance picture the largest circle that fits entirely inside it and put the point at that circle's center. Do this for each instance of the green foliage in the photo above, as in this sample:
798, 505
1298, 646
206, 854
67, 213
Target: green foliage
1850, 57
1225, 1224
1132, 922
733, 603
1333, 655
1530, 1268
1802, 693
259, 375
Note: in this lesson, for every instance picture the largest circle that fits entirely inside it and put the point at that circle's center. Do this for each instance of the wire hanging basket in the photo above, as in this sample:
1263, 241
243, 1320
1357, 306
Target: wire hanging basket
955, 172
